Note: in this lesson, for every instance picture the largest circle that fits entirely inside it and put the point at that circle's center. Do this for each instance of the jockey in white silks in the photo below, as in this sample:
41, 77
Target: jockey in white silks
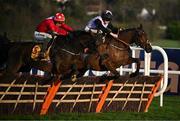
102, 24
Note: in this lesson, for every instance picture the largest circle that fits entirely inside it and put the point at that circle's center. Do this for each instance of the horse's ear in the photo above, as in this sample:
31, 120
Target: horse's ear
140, 26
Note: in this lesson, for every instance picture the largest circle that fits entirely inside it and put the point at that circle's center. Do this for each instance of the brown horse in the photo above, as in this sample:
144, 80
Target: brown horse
111, 53
116, 52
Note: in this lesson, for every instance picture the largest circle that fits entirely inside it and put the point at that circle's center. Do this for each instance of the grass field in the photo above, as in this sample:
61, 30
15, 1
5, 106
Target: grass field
167, 43
170, 111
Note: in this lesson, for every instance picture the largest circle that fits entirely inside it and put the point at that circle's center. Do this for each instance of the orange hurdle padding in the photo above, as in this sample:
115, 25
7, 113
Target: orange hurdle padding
151, 96
103, 96
50, 96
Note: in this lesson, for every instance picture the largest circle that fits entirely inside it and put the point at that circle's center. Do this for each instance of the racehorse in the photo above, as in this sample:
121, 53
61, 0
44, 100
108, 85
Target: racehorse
111, 53
126, 37
114, 53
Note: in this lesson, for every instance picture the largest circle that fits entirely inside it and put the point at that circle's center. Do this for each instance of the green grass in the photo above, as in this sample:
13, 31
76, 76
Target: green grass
170, 111
167, 43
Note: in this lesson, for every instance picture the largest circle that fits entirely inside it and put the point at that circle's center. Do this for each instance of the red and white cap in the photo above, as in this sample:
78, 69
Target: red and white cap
59, 17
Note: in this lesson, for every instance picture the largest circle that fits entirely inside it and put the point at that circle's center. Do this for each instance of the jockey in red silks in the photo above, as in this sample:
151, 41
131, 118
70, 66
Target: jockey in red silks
54, 24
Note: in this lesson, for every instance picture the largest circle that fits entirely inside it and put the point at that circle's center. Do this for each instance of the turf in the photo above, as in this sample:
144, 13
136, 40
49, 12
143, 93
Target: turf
167, 43
170, 111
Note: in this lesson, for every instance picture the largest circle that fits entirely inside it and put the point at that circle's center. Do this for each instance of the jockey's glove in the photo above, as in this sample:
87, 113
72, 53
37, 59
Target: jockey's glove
114, 35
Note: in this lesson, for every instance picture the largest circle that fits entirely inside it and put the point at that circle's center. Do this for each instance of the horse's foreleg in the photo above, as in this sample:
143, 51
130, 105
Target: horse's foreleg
111, 67
137, 61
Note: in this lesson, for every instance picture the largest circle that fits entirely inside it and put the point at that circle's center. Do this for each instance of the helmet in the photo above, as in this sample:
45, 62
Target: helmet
59, 17
106, 15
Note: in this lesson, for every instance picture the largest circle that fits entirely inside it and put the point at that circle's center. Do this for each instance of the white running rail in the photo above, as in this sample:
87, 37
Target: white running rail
147, 70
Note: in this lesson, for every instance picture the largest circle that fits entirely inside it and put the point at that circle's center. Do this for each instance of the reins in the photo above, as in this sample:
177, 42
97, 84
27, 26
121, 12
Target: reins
126, 44
122, 49
70, 52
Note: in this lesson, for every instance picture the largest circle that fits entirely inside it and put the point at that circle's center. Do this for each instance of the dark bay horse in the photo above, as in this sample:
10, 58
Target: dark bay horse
67, 56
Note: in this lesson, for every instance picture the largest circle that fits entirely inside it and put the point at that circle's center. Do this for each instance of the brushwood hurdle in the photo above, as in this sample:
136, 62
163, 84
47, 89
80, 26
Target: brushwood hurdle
26, 94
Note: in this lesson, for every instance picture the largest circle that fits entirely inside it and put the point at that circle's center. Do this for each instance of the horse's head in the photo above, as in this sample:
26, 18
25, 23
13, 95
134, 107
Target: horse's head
141, 39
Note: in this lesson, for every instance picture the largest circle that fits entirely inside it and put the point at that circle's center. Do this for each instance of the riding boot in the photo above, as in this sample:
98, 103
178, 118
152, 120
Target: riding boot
85, 57
43, 50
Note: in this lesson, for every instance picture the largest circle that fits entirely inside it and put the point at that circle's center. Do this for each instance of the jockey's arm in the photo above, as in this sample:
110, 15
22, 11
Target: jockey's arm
57, 30
114, 30
101, 27
66, 27
114, 35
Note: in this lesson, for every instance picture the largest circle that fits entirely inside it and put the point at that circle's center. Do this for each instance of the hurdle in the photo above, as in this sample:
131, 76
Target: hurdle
25, 95
115, 95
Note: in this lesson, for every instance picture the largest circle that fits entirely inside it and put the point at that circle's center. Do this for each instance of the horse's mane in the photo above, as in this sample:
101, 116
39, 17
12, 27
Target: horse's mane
127, 30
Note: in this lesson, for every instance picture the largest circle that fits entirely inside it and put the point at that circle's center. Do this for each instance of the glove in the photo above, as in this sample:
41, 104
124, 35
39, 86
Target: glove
114, 35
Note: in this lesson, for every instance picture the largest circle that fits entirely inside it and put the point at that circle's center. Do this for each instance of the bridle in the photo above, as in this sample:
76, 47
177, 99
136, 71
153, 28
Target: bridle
136, 37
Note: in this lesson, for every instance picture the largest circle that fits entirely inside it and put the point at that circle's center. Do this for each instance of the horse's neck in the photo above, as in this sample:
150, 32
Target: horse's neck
127, 36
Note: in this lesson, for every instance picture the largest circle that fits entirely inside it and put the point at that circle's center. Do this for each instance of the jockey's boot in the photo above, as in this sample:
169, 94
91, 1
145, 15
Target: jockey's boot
43, 50
85, 55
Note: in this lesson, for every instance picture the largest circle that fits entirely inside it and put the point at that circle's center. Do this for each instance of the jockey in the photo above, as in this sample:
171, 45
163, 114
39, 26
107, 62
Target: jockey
54, 24
102, 24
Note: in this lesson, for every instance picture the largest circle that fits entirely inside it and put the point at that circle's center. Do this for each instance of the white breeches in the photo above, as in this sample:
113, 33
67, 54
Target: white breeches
40, 36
